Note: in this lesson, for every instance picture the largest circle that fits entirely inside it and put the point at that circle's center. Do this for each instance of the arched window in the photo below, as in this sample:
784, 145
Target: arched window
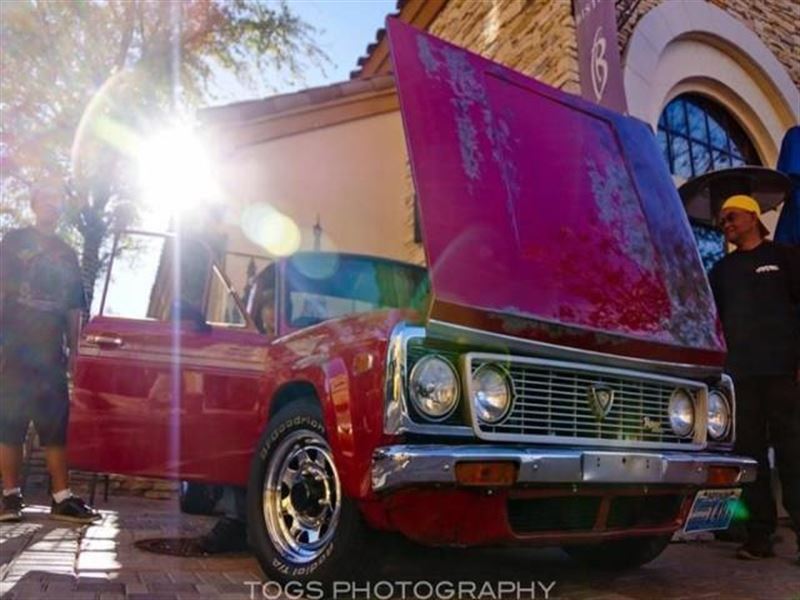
698, 135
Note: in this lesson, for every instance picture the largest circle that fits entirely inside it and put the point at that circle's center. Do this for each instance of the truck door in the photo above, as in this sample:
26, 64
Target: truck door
152, 367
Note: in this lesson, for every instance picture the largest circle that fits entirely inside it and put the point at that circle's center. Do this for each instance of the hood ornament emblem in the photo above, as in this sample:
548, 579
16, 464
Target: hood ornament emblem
601, 400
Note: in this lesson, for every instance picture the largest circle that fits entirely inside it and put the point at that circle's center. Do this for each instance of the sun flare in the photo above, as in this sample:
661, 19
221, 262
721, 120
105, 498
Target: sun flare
176, 173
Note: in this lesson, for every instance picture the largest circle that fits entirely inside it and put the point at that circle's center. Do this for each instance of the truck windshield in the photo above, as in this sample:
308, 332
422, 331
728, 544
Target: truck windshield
326, 286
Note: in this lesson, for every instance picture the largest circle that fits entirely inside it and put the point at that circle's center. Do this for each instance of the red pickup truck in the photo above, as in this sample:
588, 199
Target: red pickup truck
553, 378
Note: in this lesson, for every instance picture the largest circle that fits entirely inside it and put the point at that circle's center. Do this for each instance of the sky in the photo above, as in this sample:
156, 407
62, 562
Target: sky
344, 29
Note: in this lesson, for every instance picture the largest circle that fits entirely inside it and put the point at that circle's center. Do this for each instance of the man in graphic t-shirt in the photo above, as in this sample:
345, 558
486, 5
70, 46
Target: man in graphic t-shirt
41, 300
757, 292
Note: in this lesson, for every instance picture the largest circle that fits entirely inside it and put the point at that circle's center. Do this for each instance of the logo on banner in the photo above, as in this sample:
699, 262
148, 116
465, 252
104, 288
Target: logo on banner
599, 65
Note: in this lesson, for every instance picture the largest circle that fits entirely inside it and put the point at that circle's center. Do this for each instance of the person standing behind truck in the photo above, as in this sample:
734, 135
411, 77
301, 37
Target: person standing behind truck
757, 292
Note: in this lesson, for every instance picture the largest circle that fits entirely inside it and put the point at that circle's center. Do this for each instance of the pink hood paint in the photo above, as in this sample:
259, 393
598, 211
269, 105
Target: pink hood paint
546, 217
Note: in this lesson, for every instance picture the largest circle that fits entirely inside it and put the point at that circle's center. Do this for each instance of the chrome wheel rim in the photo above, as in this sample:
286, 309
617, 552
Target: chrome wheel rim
301, 496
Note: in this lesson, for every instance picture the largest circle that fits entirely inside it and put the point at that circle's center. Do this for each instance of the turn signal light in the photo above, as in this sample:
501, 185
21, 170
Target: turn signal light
722, 475
486, 473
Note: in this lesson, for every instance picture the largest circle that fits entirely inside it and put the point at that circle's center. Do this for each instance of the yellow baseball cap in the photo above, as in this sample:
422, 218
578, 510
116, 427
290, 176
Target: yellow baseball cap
748, 204
742, 202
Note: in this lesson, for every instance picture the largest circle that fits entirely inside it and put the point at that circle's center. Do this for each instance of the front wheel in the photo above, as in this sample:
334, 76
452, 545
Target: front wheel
300, 526
619, 555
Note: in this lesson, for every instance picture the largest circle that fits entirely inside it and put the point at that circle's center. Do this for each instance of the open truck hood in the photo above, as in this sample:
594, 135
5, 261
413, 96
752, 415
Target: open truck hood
546, 217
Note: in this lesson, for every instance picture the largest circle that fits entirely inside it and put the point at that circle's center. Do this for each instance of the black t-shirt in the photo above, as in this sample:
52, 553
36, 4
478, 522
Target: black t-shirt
40, 283
758, 297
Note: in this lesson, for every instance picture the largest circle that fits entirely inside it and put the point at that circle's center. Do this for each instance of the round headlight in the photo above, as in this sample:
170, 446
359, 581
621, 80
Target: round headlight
681, 412
433, 387
491, 393
719, 415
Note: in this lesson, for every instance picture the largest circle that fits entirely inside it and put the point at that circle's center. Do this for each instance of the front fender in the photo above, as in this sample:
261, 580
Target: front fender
344, 361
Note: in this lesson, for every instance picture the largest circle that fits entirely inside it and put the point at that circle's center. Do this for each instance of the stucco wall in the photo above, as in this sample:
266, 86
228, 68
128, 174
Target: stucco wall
774, 21
534, 37
352, 175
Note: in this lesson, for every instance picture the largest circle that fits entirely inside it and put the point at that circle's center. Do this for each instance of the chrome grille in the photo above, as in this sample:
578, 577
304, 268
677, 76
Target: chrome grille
551, 405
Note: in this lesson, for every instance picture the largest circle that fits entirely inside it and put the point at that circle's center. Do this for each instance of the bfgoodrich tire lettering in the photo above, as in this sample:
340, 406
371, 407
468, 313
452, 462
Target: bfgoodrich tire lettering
300, 526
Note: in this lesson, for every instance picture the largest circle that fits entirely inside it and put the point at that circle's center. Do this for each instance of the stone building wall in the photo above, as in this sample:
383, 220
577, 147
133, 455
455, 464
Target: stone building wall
640, 9
535, 37
774, 21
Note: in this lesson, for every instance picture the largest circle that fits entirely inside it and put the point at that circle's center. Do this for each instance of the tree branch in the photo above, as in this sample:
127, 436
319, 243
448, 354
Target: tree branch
127, 35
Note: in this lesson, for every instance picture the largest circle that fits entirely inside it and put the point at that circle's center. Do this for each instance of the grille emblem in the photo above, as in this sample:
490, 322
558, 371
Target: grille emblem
601, 399
651, 425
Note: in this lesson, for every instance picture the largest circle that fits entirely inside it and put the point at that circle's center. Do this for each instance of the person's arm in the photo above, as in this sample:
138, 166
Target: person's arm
74, 319
76, 307
793, 263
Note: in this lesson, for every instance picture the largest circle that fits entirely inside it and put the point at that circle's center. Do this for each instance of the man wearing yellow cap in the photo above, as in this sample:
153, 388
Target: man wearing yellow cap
757, 291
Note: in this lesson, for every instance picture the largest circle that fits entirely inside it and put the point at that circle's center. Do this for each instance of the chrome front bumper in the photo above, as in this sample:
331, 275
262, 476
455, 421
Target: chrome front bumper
400, 466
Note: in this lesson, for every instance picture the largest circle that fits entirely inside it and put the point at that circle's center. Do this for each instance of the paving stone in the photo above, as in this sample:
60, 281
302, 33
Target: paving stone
28, 588
46, 567
124, 576
136, 588
94, 575
241, 576
101, 586
154, 576
207, 590
213, 577
184, 577
107, 544
171, 587
232, 588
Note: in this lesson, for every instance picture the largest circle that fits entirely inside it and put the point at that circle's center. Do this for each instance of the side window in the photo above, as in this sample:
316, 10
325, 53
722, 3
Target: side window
152, 278
139, 282
222, 306
240, 270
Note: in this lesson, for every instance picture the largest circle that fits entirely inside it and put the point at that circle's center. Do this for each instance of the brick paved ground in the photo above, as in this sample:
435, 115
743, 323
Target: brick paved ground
40, 558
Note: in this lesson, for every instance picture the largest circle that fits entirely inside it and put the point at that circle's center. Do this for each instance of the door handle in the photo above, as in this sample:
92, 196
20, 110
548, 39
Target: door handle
104, 340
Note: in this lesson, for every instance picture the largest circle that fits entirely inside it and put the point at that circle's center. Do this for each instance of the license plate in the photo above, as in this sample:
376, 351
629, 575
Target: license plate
712, 510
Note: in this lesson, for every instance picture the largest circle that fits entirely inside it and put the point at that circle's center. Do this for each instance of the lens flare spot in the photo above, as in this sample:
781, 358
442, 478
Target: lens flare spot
316, 266
739, 510
270, 229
